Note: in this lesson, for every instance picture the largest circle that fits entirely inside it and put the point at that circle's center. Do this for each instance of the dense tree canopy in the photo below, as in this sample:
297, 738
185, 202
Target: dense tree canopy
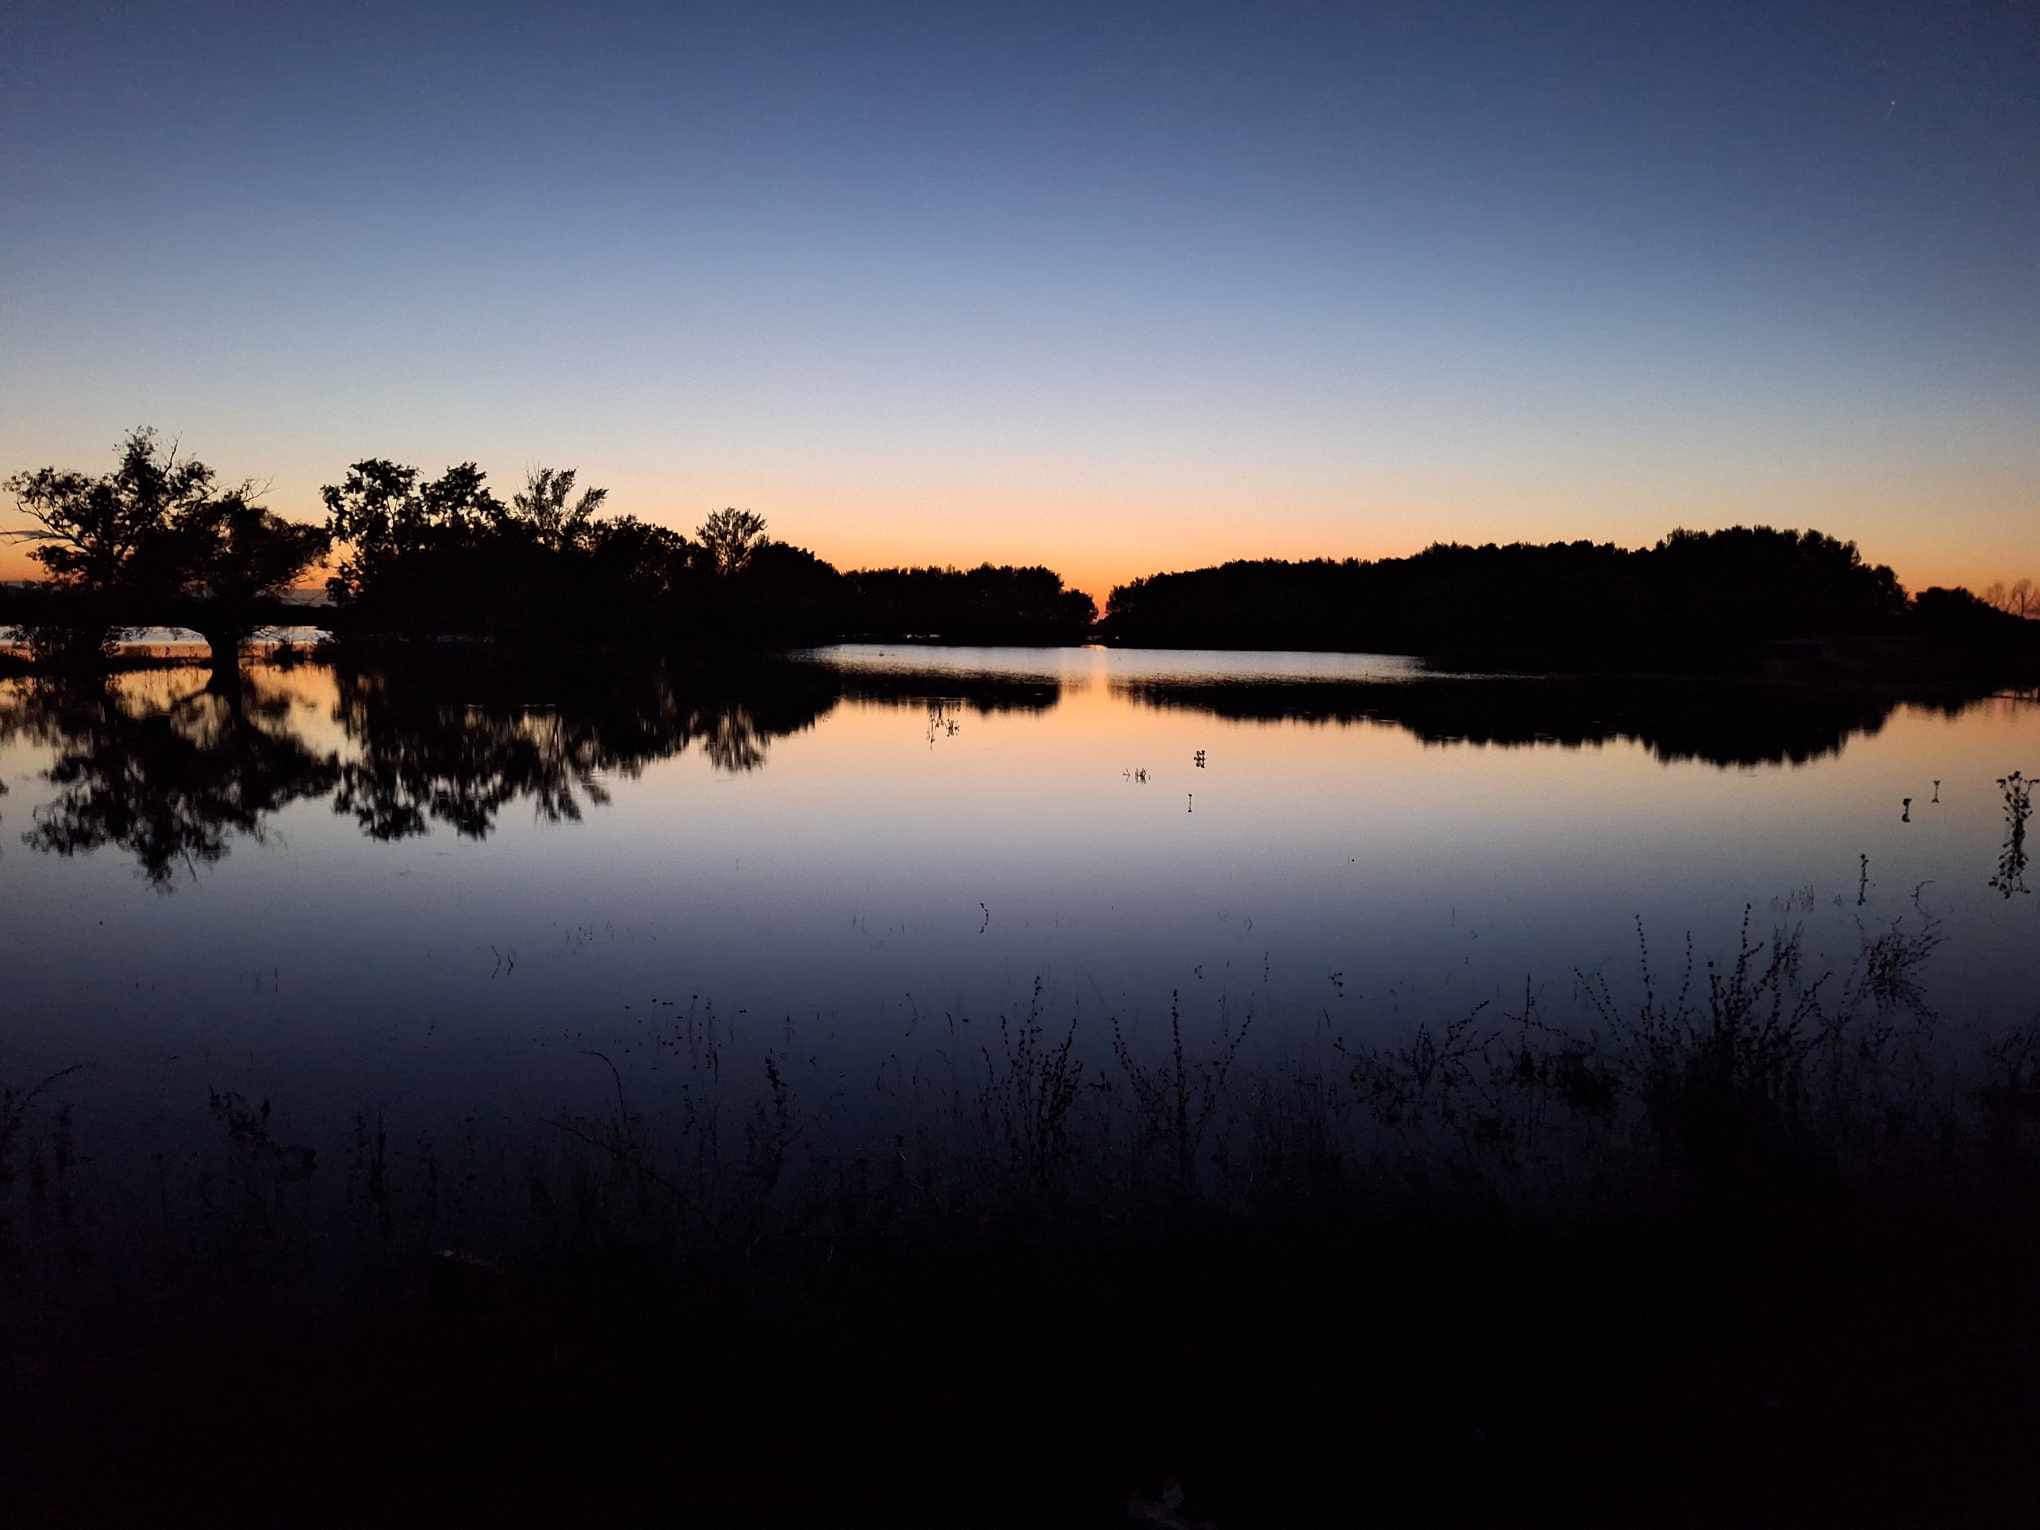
983, 604
155, 541
409, 541
1692, 591
730, 536
445, 555
89, 531
548, 513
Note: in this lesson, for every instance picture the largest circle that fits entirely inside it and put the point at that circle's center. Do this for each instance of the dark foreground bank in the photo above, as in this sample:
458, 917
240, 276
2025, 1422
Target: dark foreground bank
1754, 1247
1817, 1365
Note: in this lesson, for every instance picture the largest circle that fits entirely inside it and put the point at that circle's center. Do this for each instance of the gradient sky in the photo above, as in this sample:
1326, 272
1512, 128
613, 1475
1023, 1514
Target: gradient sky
1113, 288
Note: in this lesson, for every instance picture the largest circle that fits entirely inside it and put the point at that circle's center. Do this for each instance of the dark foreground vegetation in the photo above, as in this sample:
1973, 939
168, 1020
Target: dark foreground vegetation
159, 542
1737, 1244
1742, 599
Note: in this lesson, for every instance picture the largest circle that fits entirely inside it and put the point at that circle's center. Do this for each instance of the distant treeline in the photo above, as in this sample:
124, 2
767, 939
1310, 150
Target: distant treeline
983, 604
1694, 594
449, 556
158, 542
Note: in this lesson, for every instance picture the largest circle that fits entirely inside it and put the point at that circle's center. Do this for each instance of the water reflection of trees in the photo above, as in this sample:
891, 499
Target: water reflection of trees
173, 776
456, 743
972, 690
172, 772
1724, 725
433, 750
171, 782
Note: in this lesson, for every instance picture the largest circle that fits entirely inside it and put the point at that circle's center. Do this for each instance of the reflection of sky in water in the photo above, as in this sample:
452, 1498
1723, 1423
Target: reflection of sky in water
1098, 666
882, 865
180, 641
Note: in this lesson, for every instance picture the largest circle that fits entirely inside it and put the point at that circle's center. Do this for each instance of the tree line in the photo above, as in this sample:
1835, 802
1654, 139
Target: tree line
2017, 597
161, 541
1692, 596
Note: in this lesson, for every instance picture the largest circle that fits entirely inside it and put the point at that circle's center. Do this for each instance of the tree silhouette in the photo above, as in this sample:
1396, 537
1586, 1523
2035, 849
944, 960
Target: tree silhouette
446, 555
550, 514
89, 532
409, 542
221, 560
731, 536
978, 605
2018, 598
1696, 597
152, 542
637, 559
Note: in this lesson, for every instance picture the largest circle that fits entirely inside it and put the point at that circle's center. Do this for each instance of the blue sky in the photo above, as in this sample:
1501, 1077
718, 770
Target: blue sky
1114, 288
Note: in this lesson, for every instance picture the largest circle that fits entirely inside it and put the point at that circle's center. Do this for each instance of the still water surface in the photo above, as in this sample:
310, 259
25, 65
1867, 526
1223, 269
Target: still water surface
437, 890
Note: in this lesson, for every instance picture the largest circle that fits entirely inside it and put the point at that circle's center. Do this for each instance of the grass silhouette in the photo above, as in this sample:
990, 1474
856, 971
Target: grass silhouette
1742, 1214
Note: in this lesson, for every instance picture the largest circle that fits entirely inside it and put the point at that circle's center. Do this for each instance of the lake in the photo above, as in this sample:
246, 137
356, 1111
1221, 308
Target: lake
433, 889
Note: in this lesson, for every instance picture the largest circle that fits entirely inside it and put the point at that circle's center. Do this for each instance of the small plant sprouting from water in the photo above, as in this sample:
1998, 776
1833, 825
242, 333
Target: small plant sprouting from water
1801, 899
2012, 859
15, 1106
1174, 1101
1889, 969
260, 1202
48, 1176
774, 1127
1028, 1095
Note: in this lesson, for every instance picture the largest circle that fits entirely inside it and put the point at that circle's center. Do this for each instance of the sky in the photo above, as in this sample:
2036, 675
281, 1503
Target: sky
1114, 288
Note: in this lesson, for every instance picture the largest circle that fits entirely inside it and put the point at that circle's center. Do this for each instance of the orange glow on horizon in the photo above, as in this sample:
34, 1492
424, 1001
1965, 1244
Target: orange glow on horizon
1094, 550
